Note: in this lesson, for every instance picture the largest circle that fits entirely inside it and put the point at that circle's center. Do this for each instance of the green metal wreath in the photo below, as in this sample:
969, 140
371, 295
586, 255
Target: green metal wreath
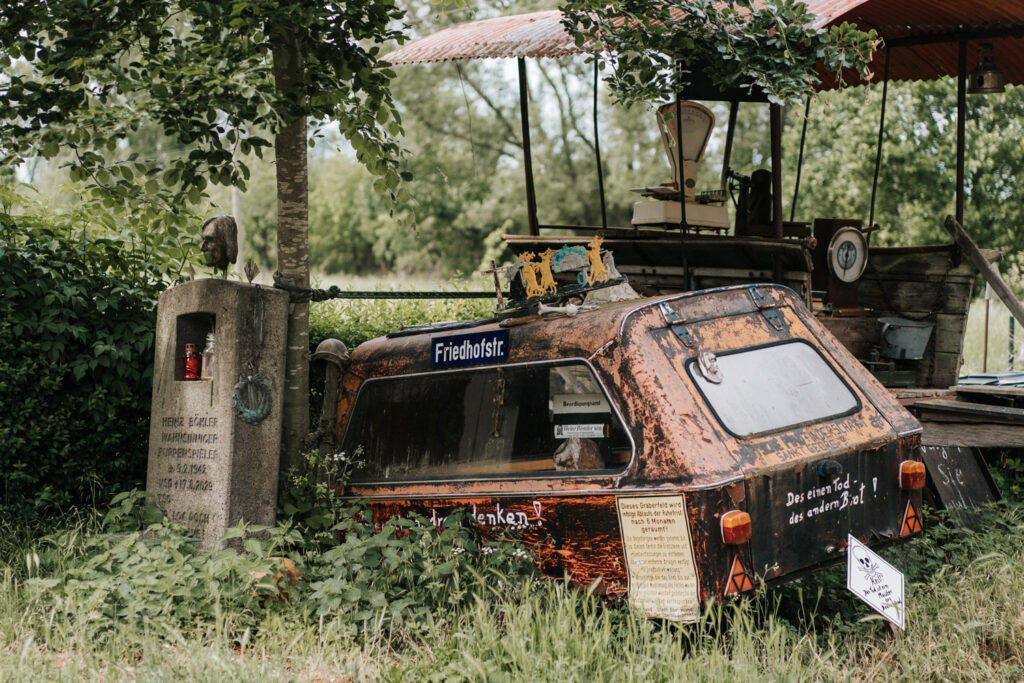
251, 399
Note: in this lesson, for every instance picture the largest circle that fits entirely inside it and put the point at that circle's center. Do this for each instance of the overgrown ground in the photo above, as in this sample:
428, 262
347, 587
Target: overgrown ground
121, 607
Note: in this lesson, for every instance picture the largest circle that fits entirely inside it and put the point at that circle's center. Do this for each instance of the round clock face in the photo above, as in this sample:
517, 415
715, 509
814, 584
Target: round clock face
847, 254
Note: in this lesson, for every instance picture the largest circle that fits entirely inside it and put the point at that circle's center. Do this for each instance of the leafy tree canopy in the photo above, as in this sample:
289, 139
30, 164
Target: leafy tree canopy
656, 49
86, 75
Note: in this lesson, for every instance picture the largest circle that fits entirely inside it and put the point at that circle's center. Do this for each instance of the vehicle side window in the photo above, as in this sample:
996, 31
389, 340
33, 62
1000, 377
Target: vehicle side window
520, 419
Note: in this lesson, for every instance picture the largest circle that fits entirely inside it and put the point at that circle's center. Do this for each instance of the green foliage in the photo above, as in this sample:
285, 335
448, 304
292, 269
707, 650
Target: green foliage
218, 620
657, 50
86, 78
76, 343
404, 576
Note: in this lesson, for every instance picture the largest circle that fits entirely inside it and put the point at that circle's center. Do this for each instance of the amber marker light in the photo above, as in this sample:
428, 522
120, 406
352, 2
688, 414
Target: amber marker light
735, 527
912, 475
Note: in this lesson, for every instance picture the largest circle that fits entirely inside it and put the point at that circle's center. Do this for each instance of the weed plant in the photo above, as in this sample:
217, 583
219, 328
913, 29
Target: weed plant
118, 597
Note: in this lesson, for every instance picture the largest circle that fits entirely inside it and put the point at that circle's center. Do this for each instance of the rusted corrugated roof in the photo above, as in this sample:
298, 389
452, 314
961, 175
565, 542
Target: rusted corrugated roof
540, 34
901, 20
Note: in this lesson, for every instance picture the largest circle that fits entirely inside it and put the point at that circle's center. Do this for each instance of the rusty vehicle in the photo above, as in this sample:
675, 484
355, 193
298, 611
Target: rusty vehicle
684, 238
680, 448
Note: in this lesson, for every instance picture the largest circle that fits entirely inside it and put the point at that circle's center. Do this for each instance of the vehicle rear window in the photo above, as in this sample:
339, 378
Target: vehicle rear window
771, 388
518, 419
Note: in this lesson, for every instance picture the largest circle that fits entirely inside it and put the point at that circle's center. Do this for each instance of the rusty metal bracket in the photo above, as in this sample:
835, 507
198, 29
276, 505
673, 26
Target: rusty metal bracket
685, 336
773, 318
669, 314
760, 298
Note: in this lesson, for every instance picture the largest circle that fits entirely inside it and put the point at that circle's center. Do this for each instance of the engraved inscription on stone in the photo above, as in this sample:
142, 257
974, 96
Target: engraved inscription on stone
186, 451
659, 556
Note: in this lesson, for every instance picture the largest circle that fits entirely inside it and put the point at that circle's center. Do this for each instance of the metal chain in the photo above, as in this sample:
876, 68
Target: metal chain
298, 294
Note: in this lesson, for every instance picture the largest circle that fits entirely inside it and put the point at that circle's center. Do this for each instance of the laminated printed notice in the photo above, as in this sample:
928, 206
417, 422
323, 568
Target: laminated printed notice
659, 556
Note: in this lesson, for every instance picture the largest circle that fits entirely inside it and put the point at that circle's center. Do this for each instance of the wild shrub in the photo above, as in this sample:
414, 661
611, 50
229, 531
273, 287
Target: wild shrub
77, 318
402, 576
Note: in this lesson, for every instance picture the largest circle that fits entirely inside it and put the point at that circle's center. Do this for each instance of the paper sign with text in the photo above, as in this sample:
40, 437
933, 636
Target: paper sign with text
875, 581
659, 556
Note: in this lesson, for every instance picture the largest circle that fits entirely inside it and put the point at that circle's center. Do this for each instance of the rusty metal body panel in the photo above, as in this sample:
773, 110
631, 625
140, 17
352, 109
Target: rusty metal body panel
640, 352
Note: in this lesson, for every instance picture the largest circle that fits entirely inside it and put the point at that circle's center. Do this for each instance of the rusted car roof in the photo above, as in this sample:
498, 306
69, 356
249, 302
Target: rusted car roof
540, 34
633, 348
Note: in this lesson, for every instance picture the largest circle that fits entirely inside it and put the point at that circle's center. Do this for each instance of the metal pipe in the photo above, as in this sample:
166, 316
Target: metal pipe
775, 115
961, 127
597, 153
800, 160
679, 161
984, 350
729, 134
878, 149
1010, 360
524, 115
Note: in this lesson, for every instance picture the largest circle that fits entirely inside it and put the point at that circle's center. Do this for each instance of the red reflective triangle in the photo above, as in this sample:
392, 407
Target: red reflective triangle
911, 521
739, 580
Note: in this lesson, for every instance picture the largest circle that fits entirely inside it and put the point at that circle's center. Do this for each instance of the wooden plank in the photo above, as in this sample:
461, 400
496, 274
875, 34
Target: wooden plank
959, 476
949, 332
912, 394
990, 274
945, 410
938, 369
989, 390
858, 334
915, 299
978, 435
915, 263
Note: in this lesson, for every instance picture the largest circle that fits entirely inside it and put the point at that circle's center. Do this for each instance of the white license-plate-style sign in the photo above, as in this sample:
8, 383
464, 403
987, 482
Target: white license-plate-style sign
875, 581
579, 431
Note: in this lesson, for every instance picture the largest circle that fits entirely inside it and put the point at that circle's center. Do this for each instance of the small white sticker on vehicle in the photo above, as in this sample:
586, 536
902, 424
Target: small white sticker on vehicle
579, 431
579, 403
875, 581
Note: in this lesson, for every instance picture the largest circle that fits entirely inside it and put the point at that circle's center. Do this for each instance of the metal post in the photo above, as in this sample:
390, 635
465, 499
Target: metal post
775, 115
878, 149
984, 351
800, 160
680, 161
729, 134
524, 115
961, 124
597, 153
1010, 363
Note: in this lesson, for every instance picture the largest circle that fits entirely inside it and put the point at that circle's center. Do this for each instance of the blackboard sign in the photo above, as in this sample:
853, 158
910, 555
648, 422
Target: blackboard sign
959, 477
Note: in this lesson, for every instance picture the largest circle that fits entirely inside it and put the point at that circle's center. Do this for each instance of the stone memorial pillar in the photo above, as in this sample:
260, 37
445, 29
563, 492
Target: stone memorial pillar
213, 460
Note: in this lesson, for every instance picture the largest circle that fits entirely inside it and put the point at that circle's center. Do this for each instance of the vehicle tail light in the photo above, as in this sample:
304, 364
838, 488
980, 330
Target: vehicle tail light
912, 475
735, 527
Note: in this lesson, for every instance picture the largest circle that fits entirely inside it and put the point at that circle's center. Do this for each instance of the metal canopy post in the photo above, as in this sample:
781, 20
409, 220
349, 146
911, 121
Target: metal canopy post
878, 149
597, 153
800, 160
961, 126
524, 115
775, 114
729, 134
680, 161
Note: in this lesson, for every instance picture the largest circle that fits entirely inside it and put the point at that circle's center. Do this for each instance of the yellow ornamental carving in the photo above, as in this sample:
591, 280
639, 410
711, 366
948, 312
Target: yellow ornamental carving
547, 279
597, 270
530, 270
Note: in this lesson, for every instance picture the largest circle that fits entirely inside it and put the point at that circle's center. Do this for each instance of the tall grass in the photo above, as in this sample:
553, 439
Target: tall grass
965, 621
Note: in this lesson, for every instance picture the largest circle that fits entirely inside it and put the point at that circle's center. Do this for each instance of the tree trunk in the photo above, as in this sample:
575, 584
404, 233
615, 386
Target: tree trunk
292, 249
